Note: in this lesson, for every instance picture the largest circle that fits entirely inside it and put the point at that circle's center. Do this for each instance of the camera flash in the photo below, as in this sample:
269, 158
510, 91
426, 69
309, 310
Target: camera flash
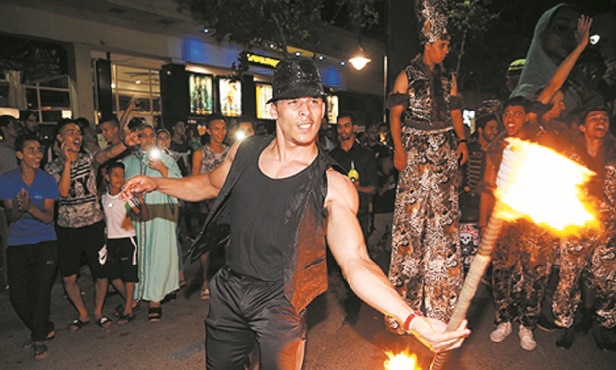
594, 39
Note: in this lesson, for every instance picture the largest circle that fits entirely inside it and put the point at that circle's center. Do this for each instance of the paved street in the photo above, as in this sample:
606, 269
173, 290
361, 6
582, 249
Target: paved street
177, 341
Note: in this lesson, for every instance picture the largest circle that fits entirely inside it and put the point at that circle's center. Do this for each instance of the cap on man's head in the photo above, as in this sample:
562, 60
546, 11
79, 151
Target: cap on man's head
297, 78
516, 67
586, 112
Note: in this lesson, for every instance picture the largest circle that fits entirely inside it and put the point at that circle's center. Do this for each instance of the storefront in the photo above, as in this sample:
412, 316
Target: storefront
107, 54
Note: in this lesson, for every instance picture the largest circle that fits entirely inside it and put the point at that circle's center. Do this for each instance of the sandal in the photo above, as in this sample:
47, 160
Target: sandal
125, 319
51, 335
104, 322
40, 350
119, 309
155, 314
77, 324
205, 294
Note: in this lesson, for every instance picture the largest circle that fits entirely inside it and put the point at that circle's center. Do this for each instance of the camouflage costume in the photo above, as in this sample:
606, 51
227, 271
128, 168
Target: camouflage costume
522, 260
602, 272
425, 265
593, 253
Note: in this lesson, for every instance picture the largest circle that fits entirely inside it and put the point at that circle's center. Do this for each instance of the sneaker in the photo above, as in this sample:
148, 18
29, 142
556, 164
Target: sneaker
527, 341
501, 332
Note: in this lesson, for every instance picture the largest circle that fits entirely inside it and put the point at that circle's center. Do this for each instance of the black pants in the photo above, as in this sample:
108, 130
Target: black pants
243, 309
31, 269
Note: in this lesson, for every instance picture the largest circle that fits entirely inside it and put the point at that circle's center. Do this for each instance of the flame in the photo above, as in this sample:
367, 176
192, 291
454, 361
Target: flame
401, 361
538, 183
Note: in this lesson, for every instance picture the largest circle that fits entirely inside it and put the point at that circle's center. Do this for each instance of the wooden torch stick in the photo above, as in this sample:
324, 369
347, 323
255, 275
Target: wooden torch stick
473, 278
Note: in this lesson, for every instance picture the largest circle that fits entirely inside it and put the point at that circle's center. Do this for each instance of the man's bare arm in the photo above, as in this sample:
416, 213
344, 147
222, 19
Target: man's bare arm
400, 87
458, 125
367, 280
193, 188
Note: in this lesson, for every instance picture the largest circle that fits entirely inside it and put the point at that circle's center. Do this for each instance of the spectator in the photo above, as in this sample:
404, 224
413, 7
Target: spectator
90, 138
180, 144
374, 143
29, 195
9, 132
205, 160
28, 122
121, 243
359, 164
163, 142
157, 239
80, 226
383, 202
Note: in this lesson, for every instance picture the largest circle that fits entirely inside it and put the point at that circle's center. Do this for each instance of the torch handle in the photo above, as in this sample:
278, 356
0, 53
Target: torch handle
473, 278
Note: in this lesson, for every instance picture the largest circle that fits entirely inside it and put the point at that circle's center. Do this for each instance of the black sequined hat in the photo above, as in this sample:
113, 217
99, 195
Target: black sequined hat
297, 78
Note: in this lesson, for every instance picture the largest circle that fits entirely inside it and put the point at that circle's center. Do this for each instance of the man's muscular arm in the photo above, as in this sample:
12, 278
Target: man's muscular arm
192, 188
346, 242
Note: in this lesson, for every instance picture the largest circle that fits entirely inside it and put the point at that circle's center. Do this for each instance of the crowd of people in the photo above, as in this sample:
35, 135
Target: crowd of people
420, 181
53, 206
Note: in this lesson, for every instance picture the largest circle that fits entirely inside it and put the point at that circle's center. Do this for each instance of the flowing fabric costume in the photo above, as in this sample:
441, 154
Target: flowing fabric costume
157, 254
425, 266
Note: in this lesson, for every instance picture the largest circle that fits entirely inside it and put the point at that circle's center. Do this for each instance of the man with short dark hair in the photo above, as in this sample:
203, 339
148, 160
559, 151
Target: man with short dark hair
591, 253
80, 225
29, 195
110, 129
350, 154
277, 199
524, 252
359, 164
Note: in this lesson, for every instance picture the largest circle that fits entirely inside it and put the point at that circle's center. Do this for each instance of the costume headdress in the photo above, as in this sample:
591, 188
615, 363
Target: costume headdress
432, 20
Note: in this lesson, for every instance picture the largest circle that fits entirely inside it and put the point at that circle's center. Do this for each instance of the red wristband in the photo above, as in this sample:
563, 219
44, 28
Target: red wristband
407, 322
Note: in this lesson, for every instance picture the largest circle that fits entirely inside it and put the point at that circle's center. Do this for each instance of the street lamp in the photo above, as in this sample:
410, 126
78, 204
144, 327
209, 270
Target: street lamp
360, 60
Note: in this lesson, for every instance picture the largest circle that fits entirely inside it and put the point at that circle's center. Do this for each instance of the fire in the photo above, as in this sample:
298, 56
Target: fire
539, 183
401, 361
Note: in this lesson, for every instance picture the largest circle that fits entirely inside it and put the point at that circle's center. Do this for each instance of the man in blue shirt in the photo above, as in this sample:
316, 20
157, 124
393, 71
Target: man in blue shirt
29, 195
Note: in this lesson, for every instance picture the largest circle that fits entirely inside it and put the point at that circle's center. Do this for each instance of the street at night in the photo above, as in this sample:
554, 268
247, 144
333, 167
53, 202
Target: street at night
177, 341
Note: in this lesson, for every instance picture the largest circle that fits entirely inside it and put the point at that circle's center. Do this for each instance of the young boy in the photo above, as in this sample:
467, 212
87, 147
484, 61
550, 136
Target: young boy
121, 239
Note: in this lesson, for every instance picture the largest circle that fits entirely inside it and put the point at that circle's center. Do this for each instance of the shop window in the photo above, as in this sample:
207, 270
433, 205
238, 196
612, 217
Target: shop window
133, 82
51, 98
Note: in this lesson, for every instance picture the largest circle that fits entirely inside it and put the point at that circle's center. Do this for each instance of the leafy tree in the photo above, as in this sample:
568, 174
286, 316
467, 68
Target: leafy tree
278, 23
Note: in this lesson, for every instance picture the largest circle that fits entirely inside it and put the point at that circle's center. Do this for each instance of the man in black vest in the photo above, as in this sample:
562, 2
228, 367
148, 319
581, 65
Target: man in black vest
277, 198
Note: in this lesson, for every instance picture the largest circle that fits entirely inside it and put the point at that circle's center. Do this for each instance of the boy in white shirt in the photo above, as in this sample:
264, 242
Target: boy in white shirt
121, 241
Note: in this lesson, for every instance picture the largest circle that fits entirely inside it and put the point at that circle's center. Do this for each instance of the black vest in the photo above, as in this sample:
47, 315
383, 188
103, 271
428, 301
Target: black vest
305, 269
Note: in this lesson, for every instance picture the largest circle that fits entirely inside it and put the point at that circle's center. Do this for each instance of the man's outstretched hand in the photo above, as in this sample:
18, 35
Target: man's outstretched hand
138, 185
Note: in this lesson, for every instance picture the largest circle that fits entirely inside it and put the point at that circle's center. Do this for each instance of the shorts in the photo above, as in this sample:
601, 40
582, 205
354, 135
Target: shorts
122, 262
87, 240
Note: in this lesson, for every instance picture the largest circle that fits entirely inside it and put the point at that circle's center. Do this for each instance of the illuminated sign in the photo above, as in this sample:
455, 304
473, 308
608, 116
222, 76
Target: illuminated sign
262, 60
